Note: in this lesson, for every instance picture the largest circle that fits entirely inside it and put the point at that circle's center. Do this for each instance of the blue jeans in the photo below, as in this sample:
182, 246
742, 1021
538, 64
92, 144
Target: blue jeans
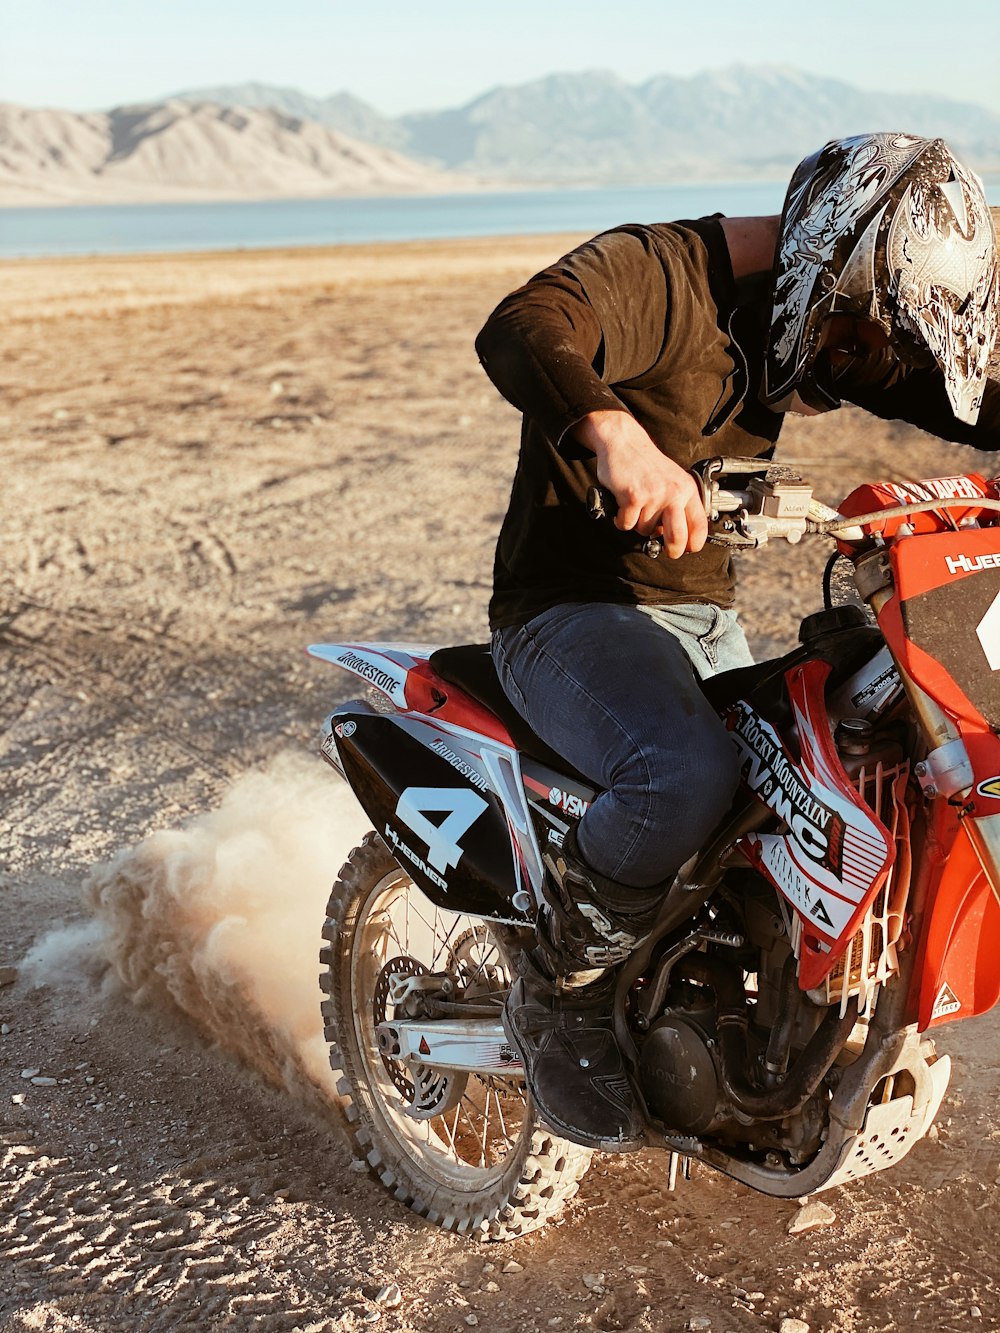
615, 690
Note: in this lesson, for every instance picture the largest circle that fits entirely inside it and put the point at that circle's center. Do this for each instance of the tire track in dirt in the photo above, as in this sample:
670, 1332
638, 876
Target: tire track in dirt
148, 672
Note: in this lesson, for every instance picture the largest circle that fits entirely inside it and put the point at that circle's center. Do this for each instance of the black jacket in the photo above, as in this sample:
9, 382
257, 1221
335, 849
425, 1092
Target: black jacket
649, 319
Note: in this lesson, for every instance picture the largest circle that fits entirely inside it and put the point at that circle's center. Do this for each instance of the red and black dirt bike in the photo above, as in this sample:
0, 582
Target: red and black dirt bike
773, 1023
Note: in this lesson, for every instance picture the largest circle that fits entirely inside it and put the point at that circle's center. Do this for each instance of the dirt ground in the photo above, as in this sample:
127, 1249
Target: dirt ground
207, 463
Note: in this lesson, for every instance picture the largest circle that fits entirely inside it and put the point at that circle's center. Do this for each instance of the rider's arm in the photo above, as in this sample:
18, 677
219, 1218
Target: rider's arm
599, 316
919, 396
542, 348
556, 346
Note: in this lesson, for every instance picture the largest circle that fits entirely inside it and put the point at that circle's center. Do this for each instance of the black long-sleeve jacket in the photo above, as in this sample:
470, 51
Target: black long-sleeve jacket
648, 319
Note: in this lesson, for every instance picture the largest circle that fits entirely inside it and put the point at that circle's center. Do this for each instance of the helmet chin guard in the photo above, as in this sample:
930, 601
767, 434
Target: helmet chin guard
890, 228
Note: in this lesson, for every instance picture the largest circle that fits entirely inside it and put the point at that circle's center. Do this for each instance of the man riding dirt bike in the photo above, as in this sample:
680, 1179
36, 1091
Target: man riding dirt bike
633, 357
689, 902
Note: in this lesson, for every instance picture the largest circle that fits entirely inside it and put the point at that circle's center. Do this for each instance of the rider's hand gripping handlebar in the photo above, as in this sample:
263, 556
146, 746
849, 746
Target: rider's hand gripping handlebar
767, 501
602, 504
761, 501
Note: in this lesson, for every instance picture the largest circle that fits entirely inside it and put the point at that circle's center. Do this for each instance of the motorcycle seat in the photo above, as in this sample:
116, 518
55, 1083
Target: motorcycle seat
470, 666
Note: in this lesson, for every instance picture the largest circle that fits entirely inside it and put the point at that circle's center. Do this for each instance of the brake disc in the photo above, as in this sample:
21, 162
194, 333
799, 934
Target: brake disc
428, 1092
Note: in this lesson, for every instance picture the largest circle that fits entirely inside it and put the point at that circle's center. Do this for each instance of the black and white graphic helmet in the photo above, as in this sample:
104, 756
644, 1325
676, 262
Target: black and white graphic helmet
891, 228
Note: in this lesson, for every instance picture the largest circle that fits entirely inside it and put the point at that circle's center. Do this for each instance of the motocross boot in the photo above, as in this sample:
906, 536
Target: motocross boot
559, 1013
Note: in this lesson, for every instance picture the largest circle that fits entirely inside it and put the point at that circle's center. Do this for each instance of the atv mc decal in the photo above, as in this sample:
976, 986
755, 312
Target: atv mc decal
771, 775
947, 1002
835, 850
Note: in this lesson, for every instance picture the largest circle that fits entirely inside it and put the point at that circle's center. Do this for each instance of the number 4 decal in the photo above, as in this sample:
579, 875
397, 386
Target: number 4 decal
462, 806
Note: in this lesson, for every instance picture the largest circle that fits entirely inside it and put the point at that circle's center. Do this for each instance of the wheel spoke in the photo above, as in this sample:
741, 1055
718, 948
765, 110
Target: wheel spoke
453, 1130
454, 1143
500, 1117
476, 1134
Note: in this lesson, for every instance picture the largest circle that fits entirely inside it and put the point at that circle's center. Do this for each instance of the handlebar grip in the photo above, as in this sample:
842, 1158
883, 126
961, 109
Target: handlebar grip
602, 504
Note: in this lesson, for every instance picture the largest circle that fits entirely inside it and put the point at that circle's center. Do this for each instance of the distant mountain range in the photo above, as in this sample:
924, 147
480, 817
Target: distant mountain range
179, 149
594, 127
254, 140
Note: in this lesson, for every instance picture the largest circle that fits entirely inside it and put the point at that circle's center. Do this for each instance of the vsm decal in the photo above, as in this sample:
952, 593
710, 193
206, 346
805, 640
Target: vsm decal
775, 779
990, 787
574, 806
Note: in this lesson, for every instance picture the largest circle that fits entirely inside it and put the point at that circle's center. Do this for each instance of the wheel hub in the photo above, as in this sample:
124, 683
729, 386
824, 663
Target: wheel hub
428, 1092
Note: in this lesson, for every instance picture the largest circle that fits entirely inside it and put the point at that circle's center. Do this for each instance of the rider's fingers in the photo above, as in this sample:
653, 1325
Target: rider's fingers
651, 518
629, 513
675, 531
697, 521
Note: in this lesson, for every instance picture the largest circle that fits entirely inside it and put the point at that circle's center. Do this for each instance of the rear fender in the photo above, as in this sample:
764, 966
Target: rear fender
402, 672
385, 666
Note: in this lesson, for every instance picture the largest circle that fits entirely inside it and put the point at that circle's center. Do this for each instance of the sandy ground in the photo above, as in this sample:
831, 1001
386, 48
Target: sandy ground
208, 463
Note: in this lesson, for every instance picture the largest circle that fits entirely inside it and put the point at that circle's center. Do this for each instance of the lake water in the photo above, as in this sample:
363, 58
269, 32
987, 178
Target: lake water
138, 228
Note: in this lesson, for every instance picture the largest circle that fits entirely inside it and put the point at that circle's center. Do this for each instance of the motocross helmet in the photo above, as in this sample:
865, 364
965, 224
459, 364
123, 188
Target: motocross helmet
892, 229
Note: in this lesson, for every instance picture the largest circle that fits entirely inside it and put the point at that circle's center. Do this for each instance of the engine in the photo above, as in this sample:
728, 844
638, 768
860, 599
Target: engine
731, 1050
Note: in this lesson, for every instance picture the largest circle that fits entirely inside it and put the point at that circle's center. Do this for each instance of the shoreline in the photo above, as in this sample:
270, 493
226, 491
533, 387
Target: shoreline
50, 287
12, 200
53, 287
459, 188
107, 283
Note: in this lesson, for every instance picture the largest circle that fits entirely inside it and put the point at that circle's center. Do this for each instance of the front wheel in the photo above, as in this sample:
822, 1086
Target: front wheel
466, 1151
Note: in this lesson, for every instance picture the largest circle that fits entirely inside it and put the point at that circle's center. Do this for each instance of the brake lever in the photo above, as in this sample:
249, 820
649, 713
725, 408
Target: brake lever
769, 501
602, 504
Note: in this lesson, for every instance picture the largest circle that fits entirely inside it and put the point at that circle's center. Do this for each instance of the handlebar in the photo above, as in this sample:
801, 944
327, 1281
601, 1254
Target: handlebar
769, 501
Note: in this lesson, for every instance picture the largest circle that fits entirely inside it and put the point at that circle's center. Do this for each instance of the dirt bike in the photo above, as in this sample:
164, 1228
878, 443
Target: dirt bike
773, 1024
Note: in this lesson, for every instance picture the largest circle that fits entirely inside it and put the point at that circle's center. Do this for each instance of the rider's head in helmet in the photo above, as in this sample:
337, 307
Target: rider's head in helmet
885, 244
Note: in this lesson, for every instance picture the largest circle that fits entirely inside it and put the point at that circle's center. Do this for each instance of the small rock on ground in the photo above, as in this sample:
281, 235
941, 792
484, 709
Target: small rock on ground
810, 1216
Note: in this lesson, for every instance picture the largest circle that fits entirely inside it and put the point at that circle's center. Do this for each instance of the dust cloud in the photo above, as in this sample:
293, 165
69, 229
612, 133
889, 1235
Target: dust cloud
222, 918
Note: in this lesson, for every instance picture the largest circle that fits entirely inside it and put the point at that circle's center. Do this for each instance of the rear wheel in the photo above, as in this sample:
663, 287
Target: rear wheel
465, 1151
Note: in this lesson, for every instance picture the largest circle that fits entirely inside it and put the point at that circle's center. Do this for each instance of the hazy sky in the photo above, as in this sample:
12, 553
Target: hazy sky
405, 56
